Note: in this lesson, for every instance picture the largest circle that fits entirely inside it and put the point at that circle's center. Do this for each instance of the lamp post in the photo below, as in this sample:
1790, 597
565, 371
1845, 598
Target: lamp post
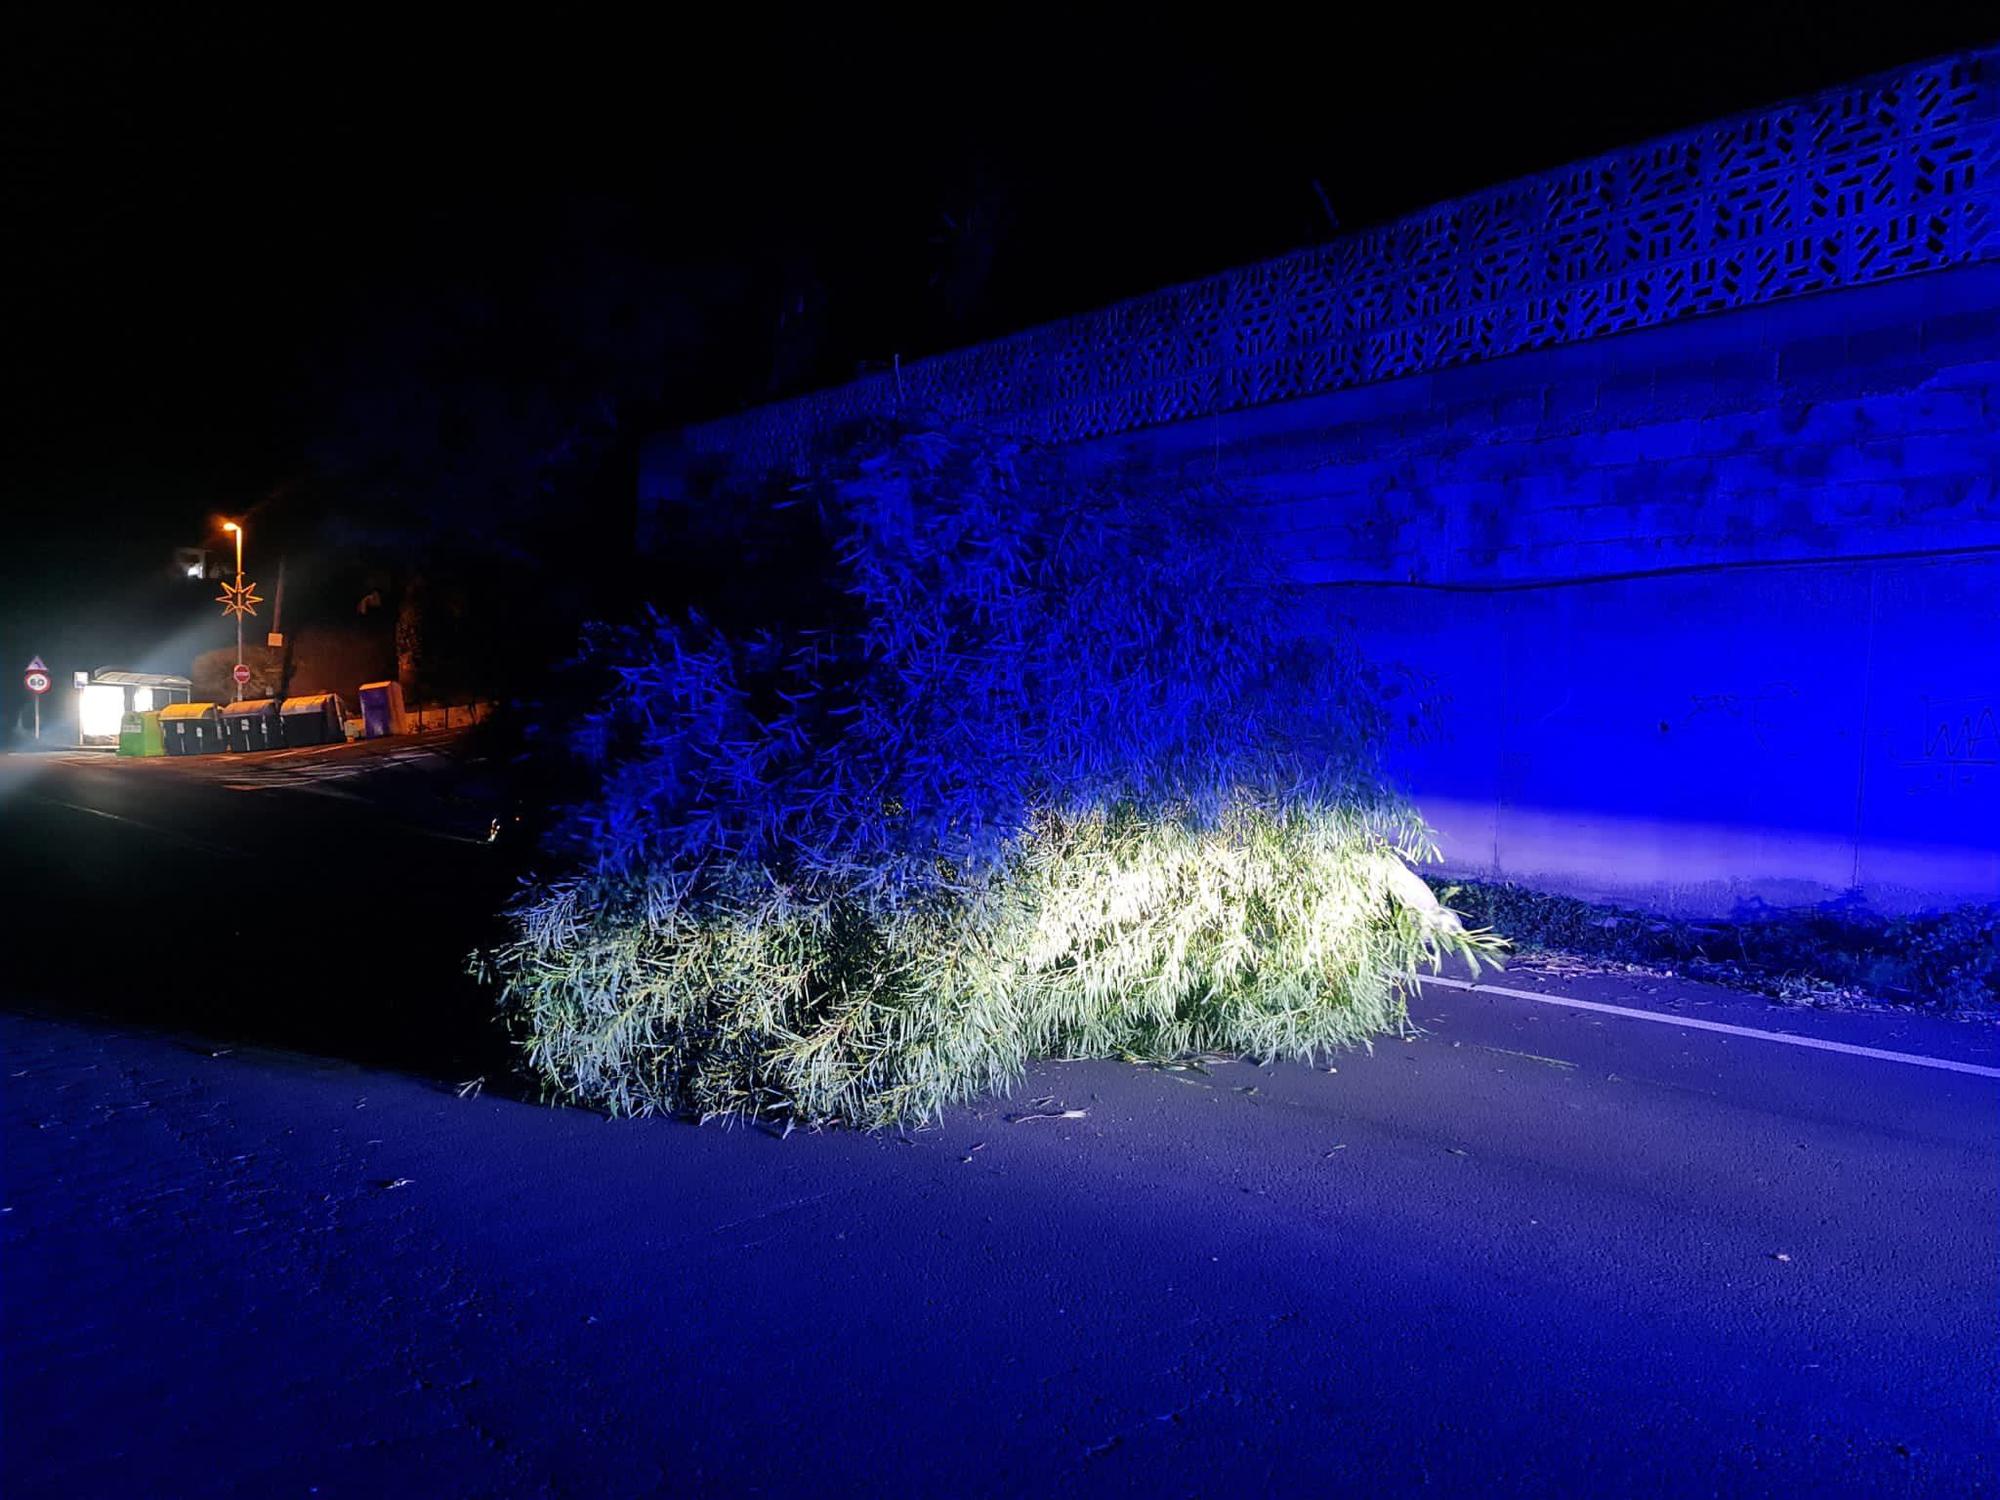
237, 531
238, 599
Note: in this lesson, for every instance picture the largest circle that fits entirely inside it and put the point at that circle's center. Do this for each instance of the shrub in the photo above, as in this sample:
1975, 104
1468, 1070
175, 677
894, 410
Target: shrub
1054, 775
1947, 960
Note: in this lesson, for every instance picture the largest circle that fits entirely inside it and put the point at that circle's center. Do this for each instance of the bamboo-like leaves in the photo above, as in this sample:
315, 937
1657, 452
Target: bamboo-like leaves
1076, 785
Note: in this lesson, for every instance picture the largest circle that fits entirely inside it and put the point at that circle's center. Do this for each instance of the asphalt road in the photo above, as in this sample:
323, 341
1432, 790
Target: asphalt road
1530, 1250
321, 898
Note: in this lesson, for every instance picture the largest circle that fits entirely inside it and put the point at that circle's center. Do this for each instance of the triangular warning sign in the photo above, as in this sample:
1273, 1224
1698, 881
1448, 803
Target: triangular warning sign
38, 665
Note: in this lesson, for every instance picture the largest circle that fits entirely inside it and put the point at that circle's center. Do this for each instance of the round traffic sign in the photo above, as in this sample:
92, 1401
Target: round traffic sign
241, 674
38, 682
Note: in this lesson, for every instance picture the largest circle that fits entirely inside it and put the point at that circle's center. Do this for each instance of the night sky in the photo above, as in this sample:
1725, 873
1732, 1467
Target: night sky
209, 213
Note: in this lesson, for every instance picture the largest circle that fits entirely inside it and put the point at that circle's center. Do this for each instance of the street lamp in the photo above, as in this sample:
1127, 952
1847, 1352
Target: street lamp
237, 531
238, 600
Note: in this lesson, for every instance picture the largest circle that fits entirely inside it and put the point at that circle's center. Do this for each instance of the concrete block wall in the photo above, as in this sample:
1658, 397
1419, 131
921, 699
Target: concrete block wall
1711, 612
1852, 423
1708, 742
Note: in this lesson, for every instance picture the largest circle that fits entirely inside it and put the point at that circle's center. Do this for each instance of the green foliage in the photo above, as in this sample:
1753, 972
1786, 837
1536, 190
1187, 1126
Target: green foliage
1945, 960
1275, 934
1054, 776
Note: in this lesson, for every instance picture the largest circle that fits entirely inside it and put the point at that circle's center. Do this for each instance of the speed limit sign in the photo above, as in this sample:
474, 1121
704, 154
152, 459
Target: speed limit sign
38, 677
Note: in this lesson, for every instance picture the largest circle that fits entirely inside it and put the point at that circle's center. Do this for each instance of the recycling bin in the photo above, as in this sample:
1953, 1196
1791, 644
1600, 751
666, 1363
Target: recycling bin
311, 720
139, 734
252, 725
382, 710
191, 729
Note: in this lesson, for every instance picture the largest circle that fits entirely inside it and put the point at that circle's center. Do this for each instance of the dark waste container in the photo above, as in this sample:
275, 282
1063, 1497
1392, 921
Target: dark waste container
190, 729
252, 725
312, 720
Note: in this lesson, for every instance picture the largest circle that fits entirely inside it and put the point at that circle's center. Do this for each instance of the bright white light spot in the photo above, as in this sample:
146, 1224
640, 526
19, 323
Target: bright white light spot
101, 710
142, 699
194, 570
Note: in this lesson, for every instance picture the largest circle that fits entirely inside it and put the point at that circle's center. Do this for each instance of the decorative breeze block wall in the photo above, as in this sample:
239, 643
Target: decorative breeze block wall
1887, 177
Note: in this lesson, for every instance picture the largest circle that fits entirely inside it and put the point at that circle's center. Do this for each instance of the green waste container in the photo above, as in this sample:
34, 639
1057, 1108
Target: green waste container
139, 734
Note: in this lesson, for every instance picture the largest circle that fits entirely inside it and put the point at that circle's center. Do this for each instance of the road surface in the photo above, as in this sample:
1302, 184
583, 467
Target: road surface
1529, 1250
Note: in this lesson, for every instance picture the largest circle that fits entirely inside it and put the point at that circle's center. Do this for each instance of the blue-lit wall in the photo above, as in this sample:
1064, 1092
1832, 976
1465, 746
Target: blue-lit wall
1677, 471
1713, 610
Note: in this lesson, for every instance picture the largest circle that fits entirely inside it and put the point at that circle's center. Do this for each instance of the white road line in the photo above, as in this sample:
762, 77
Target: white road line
1915, 1060
152, 828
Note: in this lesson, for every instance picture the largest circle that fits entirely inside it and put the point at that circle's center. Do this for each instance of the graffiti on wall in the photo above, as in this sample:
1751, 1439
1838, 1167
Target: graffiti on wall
1961, 742
1762, 717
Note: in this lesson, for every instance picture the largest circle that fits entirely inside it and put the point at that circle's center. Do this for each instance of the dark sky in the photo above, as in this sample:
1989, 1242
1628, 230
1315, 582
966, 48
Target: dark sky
203, 204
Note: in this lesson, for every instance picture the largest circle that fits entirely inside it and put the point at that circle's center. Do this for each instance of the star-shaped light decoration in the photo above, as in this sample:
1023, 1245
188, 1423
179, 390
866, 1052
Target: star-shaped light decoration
239, 599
